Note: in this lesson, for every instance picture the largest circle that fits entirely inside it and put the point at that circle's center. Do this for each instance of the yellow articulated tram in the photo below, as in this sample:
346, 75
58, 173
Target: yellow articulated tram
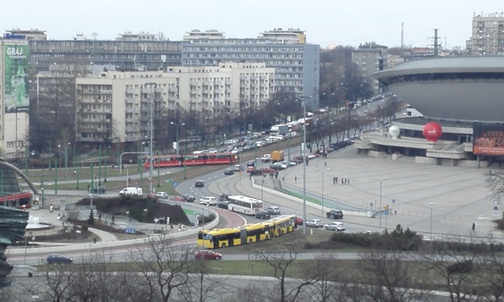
248, 233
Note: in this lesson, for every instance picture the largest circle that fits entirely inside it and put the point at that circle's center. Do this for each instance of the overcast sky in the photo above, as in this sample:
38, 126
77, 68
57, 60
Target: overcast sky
325, 22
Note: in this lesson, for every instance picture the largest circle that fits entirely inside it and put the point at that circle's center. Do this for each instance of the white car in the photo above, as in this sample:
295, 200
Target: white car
314, 223
335, 226
208, 201
162, 194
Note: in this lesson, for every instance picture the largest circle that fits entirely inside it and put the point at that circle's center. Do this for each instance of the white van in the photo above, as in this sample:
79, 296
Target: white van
131, 191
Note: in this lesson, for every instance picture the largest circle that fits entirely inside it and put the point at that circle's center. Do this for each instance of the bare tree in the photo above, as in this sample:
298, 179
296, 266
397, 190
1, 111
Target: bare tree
454, 270
164, 266
327, 285
281, 255
388, 277
495, 182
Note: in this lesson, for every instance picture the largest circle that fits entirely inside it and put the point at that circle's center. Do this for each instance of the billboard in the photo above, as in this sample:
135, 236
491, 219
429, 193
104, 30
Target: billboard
488, 139
16, 63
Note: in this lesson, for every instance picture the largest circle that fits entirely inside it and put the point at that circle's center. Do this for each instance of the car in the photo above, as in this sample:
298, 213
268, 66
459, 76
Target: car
199, 183
224, 197
236, 168
188, 197
292, 163
229, 171
266, 158
298, 221
208, 255
161, 195
223, 204
263, 214
314, 223
334, 226
98, 190
335, 214
273, 210
312, 156
208, 200
58, 259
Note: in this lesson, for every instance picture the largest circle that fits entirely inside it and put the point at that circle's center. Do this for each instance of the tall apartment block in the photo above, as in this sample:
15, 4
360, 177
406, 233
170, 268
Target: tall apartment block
297, 64
370, 58
117, 106
487, 35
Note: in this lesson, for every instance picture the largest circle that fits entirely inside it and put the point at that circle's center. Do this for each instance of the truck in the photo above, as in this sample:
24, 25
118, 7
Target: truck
277, 130
266, 158
277, 156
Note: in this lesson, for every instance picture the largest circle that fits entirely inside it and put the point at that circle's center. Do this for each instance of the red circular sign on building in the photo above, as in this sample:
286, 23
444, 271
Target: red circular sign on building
432, 131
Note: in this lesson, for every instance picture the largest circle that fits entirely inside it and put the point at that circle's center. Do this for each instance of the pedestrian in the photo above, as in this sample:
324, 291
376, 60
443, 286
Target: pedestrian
295, 179
51, 208
342, 181
473, 226
325, 164
334, 180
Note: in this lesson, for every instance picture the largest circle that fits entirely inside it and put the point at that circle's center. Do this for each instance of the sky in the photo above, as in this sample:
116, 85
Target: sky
326, 22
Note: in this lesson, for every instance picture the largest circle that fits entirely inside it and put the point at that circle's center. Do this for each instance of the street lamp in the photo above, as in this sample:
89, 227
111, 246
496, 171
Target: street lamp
381, 187
151, 132
323, 172
304, 164
431, 206
262, 187
66, 160
145, 214
176, 137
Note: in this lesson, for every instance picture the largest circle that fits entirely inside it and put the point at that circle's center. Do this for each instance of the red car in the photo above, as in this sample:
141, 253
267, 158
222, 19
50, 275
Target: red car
208, 255
298, 221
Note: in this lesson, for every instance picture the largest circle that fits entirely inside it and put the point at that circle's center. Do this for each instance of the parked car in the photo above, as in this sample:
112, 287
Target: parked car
237, 168
188, 197
298, 221
263, 214
314, 223
229, 171
208, 200
58, 259
162, 195
335, 214
334, 226
199, 183
273, 210
98, 190
208, 255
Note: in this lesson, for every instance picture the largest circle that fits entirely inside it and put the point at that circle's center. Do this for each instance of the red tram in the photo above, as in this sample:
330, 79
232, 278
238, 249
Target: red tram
173, 160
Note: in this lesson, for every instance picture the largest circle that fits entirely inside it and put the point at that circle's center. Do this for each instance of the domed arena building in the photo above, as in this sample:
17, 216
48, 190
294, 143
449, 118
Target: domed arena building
461, 101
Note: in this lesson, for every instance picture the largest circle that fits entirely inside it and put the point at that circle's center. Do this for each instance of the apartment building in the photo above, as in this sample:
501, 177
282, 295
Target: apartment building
487, 35
370, 58
115, 106
297, 64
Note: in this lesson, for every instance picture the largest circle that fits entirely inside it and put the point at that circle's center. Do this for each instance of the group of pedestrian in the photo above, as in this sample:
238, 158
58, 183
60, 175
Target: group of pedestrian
344, 181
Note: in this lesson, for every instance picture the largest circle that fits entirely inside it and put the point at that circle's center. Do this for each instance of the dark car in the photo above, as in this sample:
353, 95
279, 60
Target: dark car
58, 259
335, 214
224, 197
98, 190
208, 255
188, 197
223, 204
199, 183
229, 171
263, 214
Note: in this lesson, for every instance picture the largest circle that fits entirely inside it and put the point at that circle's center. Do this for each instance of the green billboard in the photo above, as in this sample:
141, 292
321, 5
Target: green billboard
16, 62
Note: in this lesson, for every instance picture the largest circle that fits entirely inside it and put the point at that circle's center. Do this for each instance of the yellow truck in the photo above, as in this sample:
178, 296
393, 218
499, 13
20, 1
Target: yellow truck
277, 156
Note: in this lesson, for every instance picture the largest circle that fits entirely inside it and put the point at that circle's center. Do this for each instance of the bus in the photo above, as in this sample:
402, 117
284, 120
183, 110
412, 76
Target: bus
173, 160
248, 233
244, 204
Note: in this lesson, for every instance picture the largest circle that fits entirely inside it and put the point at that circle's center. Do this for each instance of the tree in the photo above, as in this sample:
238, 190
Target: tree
388, 273
281, 255
164, 266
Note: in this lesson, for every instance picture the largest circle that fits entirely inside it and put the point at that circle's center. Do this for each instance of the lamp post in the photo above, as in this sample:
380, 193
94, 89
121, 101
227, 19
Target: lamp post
304, 164
381, 187
262, 187
323, 172
431, 206
144, 214
176, 135
66, 160
151, 132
